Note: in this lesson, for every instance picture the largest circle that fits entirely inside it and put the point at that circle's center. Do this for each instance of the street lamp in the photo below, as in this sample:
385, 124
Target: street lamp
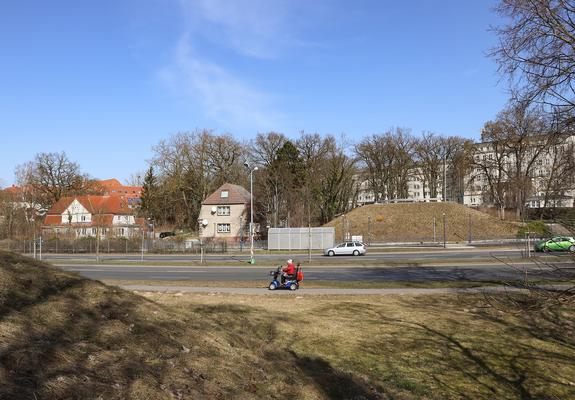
247, 165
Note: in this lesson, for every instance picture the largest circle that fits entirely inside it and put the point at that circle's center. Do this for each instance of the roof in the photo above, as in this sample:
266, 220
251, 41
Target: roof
109, 183
114, 187
94, 204
13, 189
17, 190
236, 195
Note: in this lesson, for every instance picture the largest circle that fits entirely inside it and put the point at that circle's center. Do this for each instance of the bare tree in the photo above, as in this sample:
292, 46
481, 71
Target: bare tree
555, 173
51, 176
388, 160
336, 187
225, 156
536, 50
189, 166
264, 151
515, 146
377, 154
135, 179
430, 152
489, 163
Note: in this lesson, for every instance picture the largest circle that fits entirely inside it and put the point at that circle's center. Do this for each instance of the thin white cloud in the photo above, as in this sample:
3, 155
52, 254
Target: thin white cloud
225, 97
250, 30
254, 28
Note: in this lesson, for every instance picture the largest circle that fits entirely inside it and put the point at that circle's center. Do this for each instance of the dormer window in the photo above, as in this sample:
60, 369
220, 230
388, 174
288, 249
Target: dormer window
224, 194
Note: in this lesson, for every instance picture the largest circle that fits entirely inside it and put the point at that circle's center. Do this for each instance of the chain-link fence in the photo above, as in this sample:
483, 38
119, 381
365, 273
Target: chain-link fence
127, 246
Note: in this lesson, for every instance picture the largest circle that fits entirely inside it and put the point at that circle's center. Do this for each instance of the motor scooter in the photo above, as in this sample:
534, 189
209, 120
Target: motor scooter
291, 283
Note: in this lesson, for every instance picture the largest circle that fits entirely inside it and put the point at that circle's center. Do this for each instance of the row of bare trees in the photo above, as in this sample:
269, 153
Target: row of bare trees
390, 159
310, 180
291, 175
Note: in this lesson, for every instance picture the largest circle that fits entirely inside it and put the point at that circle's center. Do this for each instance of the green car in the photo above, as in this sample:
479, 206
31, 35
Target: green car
559, 243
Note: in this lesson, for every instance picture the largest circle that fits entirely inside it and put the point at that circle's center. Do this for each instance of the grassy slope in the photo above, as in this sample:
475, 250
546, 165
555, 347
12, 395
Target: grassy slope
62, 336
412, 222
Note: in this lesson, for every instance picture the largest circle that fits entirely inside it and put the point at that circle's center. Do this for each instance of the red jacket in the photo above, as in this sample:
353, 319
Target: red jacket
289, 269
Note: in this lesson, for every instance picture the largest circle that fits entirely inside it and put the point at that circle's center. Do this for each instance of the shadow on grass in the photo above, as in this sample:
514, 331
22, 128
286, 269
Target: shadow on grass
62, 336
335, 384
525, 356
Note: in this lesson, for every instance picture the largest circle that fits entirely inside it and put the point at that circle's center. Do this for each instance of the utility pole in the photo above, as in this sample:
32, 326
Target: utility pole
469, 233
200, 225
444, 233
142, 243
309, 230
369, 230
444, 178
34, 235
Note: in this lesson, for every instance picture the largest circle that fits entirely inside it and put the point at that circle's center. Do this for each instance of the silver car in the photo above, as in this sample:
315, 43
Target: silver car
346, 248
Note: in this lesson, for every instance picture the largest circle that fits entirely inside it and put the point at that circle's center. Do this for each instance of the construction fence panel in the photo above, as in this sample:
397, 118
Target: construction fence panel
300, 238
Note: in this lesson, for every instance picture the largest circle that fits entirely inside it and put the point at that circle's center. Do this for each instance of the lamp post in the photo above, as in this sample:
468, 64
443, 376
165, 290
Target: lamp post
247, 165
33, 234
151, 224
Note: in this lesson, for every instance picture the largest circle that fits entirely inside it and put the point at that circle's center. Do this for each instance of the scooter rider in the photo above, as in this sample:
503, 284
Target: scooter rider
288, 271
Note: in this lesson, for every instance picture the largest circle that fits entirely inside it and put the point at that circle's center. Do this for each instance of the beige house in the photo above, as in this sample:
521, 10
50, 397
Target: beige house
225, 214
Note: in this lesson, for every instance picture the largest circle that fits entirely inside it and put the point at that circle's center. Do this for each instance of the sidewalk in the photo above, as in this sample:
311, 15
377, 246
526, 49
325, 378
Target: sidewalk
337, 292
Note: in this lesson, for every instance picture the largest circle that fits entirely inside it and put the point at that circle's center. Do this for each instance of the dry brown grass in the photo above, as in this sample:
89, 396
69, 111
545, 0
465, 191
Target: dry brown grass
413, 222
62, 336
411, 347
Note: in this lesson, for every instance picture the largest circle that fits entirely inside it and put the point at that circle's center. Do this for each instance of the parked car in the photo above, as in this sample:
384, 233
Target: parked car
164, 235
346, 248
559, 243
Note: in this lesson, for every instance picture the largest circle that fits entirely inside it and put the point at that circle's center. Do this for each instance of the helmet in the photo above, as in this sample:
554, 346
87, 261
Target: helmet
290, 261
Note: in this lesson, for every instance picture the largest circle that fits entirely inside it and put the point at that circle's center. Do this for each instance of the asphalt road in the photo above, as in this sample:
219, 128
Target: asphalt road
426, 255
457, 272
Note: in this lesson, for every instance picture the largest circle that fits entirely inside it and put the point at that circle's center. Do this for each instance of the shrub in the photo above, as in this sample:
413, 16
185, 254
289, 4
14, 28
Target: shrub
535, 228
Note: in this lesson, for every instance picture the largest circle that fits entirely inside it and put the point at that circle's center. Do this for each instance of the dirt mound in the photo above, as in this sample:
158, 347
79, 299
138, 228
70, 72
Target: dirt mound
413, 222
64, 337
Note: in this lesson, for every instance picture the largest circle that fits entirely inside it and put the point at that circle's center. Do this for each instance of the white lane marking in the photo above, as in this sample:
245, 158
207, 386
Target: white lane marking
129, 270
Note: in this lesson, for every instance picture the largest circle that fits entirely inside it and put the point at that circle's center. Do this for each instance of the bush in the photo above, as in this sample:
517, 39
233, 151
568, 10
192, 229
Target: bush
535, 228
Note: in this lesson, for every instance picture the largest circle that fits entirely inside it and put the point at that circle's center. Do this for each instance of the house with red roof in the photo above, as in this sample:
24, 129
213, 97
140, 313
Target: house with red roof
225, 214
113, 187
84, 216
20, 196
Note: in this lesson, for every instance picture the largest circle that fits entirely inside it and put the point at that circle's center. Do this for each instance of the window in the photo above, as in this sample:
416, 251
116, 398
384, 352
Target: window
224, 194
224, 228
223, 210
350, 245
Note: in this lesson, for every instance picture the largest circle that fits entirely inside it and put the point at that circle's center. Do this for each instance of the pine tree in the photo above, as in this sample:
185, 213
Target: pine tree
148, 205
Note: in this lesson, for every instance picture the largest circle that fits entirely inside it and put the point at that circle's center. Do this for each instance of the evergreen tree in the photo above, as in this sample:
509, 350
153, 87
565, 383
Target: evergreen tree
148, 205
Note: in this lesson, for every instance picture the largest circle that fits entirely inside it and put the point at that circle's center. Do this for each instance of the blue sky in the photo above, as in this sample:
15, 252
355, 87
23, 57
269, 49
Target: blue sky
107, 80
